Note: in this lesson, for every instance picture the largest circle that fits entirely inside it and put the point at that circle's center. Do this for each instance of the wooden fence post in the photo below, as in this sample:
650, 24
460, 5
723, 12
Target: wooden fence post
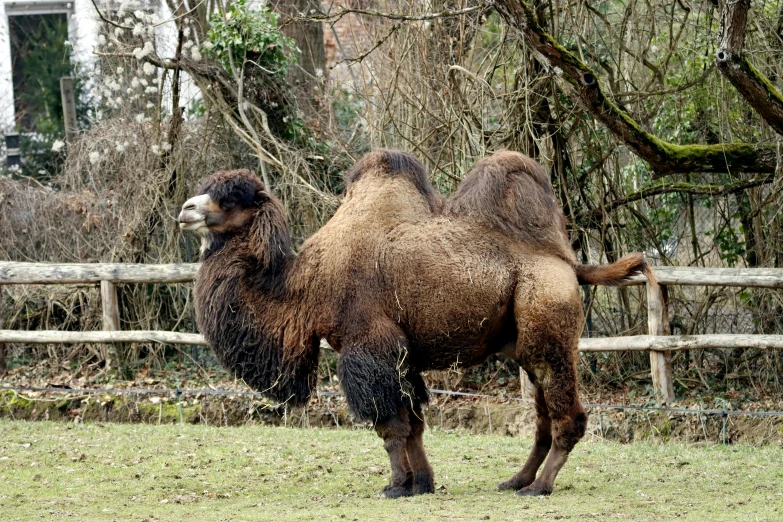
660, 361
68, 97
527, 388
111, 320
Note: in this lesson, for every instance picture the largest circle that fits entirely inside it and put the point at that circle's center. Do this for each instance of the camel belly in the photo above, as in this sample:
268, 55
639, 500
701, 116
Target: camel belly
449, 286
452, 298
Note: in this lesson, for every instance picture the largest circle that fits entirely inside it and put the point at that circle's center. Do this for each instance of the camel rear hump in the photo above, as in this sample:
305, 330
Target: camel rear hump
511, 193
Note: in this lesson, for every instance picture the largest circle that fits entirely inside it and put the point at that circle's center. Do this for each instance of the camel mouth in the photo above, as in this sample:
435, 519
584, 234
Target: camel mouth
193, 214
190, 219
191, 225
195, 224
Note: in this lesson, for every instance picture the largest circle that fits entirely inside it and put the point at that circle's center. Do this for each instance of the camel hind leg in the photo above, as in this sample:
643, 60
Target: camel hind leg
541, 445
567, 419
549, 316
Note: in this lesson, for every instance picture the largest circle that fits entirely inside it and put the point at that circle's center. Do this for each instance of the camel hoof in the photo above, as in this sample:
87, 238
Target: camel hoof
533, 491
396, 491
423, 487
509, 484
513, 484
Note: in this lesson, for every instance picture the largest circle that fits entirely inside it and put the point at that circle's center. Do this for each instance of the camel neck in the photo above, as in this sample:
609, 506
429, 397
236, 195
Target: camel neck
242, 310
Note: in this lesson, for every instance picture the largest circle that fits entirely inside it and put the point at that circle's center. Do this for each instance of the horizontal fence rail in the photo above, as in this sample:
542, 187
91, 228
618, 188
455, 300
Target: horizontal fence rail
636, 343
660, 345
116, 336
641, 343
15, 273
12, 273
696, 276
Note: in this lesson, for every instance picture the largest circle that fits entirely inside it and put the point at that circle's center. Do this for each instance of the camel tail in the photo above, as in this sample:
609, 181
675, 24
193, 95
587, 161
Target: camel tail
615, 273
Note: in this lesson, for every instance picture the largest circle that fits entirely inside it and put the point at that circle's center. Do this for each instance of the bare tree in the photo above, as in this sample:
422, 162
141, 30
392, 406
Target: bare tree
664, 157
756, 88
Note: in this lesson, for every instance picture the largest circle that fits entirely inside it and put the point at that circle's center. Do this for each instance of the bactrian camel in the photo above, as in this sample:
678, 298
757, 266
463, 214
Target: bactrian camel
398, 282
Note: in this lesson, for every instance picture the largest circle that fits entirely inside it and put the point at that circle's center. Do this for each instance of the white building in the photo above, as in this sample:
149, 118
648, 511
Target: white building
84, 25
82, 33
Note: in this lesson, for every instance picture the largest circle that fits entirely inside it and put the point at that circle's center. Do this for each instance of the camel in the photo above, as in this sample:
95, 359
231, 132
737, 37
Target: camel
401, 281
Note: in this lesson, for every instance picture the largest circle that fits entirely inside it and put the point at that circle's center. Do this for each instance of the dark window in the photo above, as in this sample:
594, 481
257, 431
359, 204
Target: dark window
39, 59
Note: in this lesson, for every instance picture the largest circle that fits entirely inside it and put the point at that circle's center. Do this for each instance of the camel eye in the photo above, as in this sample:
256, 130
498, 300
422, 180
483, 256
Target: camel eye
228, 205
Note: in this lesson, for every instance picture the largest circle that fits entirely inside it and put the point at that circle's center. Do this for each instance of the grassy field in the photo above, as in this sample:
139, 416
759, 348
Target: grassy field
58, 471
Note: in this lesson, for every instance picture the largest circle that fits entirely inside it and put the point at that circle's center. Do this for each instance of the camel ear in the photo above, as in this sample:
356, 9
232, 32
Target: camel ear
260, 197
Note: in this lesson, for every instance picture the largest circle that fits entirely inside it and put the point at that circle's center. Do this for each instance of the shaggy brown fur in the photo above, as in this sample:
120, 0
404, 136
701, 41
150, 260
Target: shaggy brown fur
511, 193
241, 288
396, 286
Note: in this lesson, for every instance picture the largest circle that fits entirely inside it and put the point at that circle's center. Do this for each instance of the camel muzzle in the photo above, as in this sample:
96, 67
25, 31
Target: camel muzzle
194, 212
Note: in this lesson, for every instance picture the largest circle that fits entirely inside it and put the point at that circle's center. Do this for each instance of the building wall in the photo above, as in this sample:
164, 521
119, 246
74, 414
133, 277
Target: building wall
83, 29
82, 33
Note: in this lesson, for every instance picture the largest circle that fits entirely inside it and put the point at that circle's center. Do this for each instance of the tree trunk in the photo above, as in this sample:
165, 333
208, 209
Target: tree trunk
306, 76
756, 88
748, 230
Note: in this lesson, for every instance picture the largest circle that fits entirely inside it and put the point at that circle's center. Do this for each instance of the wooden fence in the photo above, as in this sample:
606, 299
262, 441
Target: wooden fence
657, 342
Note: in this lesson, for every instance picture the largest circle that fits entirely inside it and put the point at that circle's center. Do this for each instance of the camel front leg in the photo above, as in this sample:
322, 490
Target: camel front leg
380, 387
423, 477
395, 432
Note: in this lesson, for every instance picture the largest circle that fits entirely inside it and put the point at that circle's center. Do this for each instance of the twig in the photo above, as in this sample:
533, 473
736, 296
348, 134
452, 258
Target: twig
679, 187
365, 54
110, 22
334, 17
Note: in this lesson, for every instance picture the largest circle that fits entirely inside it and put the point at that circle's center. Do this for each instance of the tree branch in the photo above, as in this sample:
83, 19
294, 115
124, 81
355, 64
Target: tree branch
361, 57
756, 88
684, 87
202, 70
110, 22
664, 157
337, 15
681, 187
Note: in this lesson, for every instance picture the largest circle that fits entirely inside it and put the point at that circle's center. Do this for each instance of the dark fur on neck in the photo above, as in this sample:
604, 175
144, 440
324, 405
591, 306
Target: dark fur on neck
269, 239
242, 302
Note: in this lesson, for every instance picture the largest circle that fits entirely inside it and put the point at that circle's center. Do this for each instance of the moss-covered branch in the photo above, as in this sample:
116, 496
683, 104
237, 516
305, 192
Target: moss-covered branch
756, 88
665, 158
669, 187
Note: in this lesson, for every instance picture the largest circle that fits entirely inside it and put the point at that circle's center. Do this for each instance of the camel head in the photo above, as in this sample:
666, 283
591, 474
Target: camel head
235, 203
226, 202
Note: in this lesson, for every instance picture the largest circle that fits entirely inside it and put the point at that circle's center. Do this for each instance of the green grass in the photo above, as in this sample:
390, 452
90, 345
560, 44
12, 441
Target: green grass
57, 471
